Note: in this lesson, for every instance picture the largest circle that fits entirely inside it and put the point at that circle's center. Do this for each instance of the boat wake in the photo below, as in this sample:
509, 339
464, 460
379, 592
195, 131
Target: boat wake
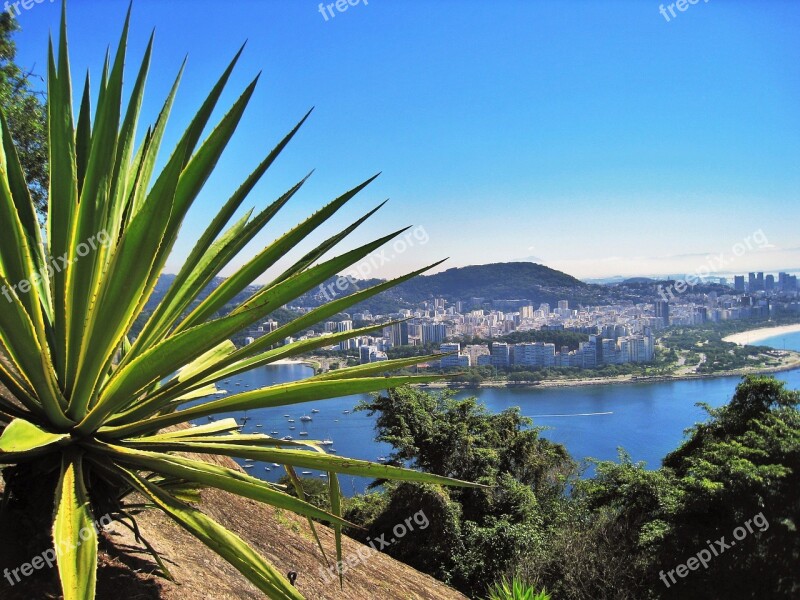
595, 414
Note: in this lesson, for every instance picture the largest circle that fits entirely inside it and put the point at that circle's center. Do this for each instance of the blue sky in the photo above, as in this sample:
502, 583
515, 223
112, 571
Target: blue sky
596, 137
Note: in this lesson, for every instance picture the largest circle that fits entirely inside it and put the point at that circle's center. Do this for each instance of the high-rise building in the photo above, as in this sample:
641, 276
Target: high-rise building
536, 354
433, 333
769, 283
751, 282
269, 326
454, 359
397, 334
662, 312
367, 354
500, 354
474, 351
341, 327
738, 283
563, 304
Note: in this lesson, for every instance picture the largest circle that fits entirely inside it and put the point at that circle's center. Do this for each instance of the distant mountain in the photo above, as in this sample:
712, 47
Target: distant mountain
494, 282
526, 281
498, 281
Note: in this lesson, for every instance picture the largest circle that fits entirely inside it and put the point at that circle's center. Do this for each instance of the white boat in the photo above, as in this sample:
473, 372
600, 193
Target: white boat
326, 442
267, 469
275, 465
303, 433
259, 425
306, 473
290, 421
287, 438
248, 460
346, 412
332, 450
323, 474
273, 433
314, 411
287, 416
248, 466
292, 428
306, 418
382, 459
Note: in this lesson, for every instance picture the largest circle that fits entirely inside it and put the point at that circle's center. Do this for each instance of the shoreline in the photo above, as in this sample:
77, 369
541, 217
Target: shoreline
751, 337
624, 379
743, 338
296, 361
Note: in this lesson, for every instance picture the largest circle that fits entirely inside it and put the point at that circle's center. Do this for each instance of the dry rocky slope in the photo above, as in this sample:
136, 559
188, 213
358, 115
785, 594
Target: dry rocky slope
126, 569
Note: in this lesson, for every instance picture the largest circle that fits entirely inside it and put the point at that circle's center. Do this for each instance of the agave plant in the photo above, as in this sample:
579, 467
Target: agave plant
515, 589
94, 417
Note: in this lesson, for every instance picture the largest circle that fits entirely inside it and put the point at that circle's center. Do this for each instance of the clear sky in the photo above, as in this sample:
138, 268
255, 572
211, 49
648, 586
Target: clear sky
597, 137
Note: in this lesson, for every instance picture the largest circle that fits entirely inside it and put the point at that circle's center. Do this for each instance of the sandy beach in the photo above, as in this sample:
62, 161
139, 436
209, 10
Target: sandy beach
756, 335
293, 361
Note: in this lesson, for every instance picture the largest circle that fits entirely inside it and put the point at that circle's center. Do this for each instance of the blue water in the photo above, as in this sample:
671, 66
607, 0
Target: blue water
647, 420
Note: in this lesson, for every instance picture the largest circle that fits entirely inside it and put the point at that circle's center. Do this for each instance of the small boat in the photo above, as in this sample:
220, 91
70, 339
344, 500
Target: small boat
314, 411
292, 428
382, 459
332, 450
238, 384
323, 474
273, 433
290, 421
306, 473
259, 425
275, 465
326, 442
287, 438
336, 420
303, 433
248, 466
306, 419
248, 460
267, 469
287, 416
346, 412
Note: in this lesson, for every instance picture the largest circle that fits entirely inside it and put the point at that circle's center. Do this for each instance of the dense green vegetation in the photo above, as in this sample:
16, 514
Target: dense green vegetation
615, 535
25, 111
704, 341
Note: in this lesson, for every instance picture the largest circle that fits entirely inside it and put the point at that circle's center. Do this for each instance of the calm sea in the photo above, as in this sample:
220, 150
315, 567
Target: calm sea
647, 420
